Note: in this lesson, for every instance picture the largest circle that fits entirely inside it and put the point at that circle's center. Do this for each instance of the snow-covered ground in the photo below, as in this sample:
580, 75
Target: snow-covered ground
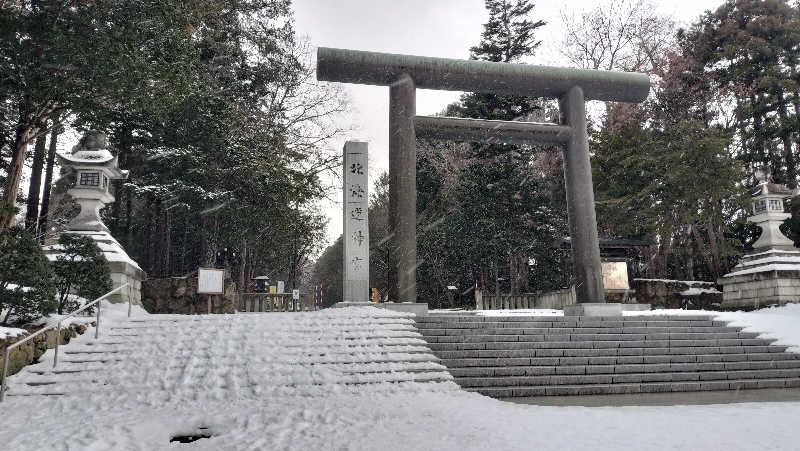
6, 332
781, 323
211, 382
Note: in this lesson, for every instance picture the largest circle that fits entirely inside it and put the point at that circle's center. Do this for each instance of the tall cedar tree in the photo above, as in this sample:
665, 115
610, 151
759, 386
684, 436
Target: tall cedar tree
64, 58
236, 164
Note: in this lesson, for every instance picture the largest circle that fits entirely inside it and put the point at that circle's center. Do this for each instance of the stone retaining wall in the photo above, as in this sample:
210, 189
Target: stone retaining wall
31, 351
692, 294
179, 295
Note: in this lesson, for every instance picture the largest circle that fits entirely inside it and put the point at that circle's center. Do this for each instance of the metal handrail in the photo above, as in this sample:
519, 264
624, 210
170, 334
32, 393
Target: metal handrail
57, 326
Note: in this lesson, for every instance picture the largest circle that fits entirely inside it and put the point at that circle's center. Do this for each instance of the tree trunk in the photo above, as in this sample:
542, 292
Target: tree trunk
125, 138
18, 155
48, 181
35, 186
716, 255
786, 133
701, 247
689, 259
242, 266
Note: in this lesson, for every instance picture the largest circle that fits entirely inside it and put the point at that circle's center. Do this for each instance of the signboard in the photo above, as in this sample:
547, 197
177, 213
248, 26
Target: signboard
281, 287
356, 229
296, 295
210, 281
615, 275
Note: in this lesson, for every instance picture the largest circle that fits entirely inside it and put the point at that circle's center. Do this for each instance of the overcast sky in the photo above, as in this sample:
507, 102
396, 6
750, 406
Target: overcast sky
441, 28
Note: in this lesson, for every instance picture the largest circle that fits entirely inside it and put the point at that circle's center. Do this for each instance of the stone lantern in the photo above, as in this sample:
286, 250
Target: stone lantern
94, 167
770, 274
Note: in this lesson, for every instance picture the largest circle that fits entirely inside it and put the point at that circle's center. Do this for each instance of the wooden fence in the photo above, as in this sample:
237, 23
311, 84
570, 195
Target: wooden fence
552, 300
277, 302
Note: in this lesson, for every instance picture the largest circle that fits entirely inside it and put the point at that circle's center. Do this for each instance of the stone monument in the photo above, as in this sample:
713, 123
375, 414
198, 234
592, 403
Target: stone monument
93, 168
770, 274
355, 241
355, 234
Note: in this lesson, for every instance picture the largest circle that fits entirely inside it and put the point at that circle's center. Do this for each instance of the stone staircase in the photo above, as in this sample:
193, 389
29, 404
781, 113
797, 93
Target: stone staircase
521, 356
250, 354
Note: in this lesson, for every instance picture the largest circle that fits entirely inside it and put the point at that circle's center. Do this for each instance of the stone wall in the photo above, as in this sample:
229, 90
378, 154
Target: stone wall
692, 294
179, 295
486, 300
760, 289
31, 351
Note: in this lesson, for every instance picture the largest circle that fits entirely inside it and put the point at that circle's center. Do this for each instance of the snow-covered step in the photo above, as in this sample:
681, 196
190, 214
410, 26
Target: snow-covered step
255, 352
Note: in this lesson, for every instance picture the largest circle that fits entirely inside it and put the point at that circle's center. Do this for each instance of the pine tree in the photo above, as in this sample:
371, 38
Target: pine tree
508, 36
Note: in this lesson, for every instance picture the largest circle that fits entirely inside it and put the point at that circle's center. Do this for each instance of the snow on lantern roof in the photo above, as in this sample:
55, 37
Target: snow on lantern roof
92, 152
765, 185
99, 156
774, 189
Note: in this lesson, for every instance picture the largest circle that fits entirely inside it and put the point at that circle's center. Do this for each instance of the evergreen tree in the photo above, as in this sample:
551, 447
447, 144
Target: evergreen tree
26, 278
492, 203
64, 58
80, 269
748, 49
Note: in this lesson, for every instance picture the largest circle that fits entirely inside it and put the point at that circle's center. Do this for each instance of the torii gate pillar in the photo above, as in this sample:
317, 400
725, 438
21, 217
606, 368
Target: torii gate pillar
402, 191
580, 201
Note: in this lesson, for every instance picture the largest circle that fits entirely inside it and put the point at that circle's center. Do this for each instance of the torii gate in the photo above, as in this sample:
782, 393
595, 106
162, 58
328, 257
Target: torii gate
572, 87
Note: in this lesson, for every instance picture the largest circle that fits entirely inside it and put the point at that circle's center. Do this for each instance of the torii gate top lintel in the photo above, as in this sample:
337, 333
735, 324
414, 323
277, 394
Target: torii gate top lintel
384, 69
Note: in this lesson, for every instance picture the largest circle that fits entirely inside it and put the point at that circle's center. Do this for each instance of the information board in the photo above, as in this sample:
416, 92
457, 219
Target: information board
210, 281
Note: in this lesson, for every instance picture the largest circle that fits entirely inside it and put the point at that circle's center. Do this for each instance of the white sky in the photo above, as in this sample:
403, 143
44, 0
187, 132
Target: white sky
441, 28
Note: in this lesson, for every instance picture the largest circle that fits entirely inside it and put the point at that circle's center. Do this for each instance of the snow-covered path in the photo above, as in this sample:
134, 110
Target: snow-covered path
304, 381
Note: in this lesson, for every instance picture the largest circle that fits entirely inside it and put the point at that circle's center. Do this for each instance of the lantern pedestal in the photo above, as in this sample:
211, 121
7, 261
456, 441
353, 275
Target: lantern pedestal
771, 273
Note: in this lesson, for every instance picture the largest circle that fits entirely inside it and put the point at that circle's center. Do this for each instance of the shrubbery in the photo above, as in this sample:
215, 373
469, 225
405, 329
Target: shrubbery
27, 289
81, 269
31, 286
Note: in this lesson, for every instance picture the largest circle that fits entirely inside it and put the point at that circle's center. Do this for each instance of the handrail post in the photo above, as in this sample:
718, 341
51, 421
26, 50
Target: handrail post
5, 374
97, 322
58, 342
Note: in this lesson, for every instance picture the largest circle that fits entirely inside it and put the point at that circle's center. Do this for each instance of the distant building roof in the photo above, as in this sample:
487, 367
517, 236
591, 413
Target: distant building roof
612, 243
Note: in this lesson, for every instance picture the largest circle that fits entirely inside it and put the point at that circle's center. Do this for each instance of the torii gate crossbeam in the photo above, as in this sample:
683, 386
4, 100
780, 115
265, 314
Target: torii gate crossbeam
572, 87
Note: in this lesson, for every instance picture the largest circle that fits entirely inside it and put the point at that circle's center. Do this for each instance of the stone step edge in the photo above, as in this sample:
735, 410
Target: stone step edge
777, 373
673, 370
477, 318
517, 361
643, 387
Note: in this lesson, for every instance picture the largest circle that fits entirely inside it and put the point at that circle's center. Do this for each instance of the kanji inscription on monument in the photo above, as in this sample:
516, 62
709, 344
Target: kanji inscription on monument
356, 229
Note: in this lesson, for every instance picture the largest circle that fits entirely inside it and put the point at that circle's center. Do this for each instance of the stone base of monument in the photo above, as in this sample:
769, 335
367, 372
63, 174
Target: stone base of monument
765, 278
593, 309
417, 308
123, 269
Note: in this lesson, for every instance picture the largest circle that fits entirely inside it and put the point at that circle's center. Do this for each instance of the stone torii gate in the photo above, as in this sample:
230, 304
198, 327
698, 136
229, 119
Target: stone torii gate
572, 87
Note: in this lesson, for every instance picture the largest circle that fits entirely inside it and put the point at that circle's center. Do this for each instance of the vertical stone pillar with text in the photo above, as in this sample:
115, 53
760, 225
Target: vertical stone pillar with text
356, 226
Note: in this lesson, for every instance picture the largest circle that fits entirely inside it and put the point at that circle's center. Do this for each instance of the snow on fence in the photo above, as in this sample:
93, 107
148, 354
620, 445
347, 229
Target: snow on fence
552, 300
273, 302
